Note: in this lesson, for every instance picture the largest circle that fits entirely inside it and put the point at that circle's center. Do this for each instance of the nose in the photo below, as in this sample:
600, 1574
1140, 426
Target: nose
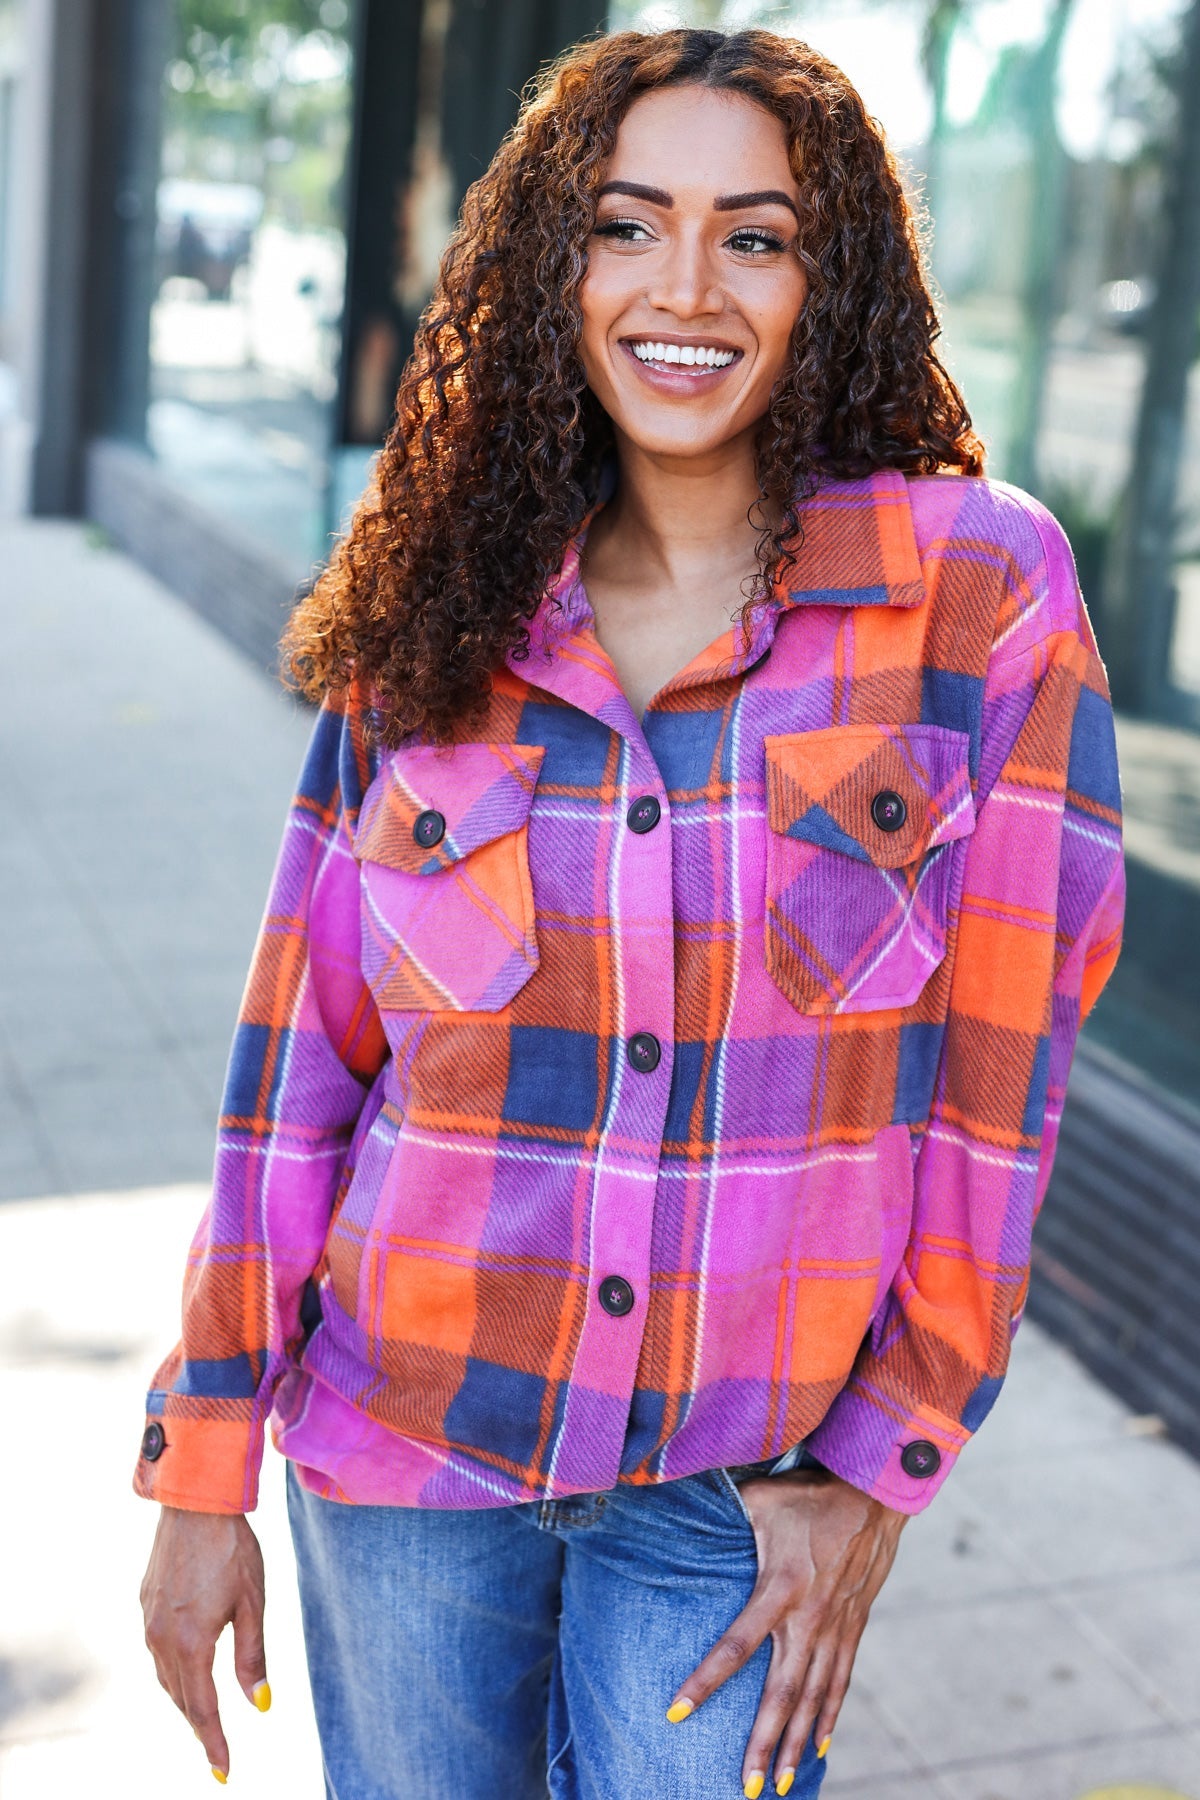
685, 281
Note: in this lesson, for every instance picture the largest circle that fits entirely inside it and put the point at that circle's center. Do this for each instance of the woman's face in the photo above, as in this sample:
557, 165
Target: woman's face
693, 282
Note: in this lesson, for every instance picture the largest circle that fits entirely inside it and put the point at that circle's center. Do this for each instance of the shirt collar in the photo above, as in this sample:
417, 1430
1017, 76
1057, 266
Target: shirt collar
858, 549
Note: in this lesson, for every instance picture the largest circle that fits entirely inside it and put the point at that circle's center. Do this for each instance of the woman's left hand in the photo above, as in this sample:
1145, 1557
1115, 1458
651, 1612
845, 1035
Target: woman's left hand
824, 1551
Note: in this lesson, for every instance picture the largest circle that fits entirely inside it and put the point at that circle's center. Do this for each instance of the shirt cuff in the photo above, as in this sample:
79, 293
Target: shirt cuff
899, 1452
198, 1464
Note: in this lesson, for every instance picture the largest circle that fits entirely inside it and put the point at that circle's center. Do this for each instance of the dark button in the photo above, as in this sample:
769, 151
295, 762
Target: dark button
644, 814
154, 1441
429, 828
888, 810
643, 1051
616, 1295
920, 1459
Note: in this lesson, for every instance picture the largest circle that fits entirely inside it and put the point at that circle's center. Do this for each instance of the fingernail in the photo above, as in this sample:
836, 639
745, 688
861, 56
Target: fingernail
261, 1696
783, 1784
754, 1786
218, 1774
822, 1748
680, 1710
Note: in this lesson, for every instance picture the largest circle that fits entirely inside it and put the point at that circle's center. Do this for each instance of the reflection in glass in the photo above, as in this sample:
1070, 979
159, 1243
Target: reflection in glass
1057, 146
250, 263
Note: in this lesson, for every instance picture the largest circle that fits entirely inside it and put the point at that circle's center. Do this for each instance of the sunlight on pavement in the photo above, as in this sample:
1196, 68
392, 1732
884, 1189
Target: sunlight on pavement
89, 1302
1134, 1792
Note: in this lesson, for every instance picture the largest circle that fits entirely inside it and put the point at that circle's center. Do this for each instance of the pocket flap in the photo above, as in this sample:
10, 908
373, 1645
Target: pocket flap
479, 792
823, 785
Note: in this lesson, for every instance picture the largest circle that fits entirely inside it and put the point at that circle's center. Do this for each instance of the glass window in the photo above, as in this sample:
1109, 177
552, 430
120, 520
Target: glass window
10, 66
1057, 144
250, 263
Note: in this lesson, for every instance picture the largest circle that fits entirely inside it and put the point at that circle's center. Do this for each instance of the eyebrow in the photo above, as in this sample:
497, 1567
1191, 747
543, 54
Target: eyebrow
638, 190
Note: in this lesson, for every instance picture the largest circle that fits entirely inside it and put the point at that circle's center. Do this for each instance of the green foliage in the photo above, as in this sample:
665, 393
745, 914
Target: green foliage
236, 112
234, 26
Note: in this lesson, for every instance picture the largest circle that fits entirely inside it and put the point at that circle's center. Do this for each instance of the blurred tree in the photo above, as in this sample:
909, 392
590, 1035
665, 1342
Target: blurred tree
1035, 93
236, 25
1139, 594
942, 20
236, 109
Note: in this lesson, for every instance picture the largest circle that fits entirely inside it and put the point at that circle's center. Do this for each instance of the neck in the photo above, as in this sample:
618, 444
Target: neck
677, 517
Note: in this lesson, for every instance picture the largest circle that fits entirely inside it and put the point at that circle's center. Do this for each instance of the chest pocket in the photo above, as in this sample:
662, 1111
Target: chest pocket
447, 902
861, 861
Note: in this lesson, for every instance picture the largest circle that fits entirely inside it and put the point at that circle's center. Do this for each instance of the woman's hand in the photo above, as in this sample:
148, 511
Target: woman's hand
205, 1572
824, 1551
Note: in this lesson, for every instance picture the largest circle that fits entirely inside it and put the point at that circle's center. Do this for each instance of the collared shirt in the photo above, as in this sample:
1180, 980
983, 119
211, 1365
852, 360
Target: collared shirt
613, 1098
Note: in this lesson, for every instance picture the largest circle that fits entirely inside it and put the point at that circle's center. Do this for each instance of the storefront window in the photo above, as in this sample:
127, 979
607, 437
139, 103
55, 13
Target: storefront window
1048, 138
10, 64
250, 263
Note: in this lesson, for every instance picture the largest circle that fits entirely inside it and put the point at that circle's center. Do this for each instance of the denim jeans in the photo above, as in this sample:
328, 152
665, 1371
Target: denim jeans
530, 1650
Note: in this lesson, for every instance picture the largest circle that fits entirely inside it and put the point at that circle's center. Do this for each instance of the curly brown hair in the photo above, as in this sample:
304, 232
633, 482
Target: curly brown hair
494, 456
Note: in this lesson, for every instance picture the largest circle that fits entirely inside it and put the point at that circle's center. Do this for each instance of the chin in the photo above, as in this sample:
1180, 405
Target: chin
678, 440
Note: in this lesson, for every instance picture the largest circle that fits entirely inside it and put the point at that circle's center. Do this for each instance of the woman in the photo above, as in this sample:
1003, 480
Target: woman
652, 1058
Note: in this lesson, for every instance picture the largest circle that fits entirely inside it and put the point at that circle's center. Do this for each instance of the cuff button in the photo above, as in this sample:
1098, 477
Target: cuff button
154, 1442
920, 1459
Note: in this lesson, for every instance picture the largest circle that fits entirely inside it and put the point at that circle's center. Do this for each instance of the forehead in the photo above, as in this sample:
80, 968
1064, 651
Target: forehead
701, 141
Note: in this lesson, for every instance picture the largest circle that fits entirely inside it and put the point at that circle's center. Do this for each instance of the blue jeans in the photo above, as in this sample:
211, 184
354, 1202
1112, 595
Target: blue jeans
531, 1650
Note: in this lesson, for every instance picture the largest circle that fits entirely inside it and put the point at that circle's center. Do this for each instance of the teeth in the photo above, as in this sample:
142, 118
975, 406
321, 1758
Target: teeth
688, 355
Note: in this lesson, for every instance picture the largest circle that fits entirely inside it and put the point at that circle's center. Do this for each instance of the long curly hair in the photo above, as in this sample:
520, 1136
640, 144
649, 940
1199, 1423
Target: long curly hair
494, 455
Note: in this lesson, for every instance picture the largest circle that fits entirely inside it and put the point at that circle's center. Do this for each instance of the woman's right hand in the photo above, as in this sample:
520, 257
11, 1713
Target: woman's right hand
205, 1572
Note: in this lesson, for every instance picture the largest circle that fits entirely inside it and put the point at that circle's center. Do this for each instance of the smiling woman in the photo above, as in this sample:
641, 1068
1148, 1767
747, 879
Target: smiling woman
509, 390
653, 1054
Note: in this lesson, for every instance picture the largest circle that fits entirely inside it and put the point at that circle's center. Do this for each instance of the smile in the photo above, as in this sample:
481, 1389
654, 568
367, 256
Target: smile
659, 355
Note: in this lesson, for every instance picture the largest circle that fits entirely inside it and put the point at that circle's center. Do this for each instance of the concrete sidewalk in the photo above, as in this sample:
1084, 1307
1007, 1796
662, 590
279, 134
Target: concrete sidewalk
1039, 1638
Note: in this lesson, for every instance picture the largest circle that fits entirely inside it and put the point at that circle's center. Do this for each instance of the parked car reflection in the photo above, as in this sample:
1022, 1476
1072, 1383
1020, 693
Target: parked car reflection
205, 230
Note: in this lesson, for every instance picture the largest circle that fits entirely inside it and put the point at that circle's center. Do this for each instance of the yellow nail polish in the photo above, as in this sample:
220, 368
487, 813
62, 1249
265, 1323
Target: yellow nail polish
261, 1696
784, 1782
822, 1748
218, 1774
754, 1786
680, 1710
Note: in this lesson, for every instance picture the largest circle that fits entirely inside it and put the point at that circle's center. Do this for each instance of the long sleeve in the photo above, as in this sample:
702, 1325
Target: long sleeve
308, 1043
1038, 934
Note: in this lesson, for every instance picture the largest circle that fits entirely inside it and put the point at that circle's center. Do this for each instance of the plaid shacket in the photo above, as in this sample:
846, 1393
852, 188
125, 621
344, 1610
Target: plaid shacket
612, 1100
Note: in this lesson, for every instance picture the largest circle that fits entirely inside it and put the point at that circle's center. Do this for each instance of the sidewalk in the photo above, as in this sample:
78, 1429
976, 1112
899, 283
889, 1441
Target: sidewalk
1039, 1638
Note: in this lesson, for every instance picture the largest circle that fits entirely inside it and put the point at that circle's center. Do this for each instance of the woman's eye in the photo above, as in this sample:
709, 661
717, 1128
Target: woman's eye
624, 231
755, 240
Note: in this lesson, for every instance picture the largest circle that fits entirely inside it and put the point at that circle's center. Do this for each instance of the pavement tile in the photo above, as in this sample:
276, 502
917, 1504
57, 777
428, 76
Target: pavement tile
1160, 1761
956, 1551
865, 1747
138, 1121
1005, 1674
24, 1168
903, 1787
80, 1710
1151, 1621
1121, 1507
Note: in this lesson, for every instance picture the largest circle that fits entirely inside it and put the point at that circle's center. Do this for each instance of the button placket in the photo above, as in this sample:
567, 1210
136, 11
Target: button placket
643, 814
644, 1052
616, 1296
